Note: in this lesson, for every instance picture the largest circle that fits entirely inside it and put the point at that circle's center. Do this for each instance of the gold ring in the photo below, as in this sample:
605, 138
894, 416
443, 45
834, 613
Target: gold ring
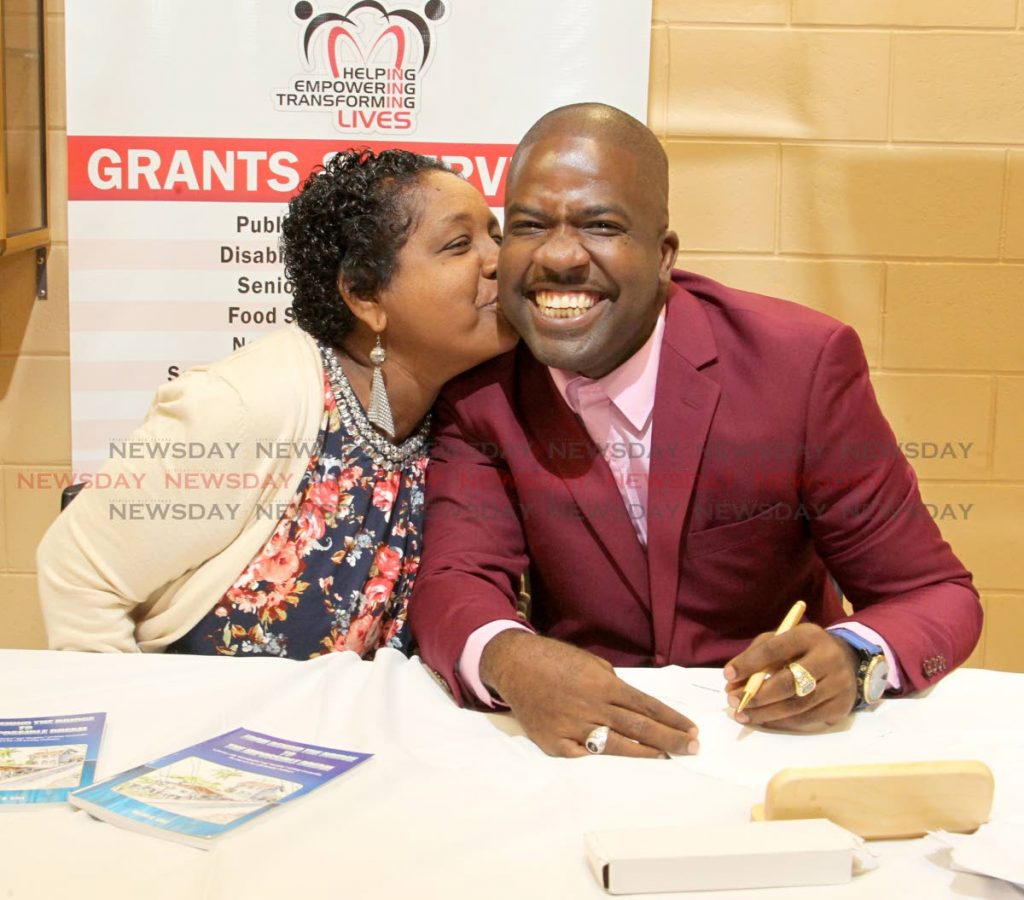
804, 681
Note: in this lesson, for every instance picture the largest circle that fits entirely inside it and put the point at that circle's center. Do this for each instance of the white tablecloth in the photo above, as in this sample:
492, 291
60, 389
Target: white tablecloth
455, 804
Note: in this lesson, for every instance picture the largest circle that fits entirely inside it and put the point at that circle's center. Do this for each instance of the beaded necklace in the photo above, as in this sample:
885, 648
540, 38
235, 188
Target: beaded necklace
381, 451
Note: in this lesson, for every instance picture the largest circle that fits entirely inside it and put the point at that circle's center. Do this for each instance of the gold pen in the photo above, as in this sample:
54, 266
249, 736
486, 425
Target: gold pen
757, 679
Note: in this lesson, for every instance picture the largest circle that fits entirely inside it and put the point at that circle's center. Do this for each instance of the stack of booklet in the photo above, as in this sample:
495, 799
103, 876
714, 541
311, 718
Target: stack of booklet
43, 760
193, 795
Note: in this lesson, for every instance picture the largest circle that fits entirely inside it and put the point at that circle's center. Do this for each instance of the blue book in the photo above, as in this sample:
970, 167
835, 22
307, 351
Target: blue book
42, 760
199, 793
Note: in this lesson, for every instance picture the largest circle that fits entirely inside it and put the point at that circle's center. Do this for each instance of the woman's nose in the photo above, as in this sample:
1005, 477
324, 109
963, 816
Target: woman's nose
489, 261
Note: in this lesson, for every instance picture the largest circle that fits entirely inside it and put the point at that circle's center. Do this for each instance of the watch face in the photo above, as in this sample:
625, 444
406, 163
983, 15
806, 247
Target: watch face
876, 679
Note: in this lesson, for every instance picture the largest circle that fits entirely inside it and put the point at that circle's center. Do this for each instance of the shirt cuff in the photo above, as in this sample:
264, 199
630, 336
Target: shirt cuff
468, 667
869, 634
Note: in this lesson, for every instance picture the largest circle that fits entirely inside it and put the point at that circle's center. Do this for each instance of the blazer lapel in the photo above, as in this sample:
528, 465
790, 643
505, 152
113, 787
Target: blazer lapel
684, 406
564, 448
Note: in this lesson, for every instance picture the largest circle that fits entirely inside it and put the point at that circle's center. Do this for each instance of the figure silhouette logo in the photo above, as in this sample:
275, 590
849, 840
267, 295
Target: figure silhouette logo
371, 58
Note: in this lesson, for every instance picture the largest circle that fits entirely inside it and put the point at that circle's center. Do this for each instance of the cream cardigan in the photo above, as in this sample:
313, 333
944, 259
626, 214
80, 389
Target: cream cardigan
194, 494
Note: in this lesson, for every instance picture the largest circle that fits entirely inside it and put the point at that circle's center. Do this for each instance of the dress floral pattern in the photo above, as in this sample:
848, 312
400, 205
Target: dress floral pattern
338, 570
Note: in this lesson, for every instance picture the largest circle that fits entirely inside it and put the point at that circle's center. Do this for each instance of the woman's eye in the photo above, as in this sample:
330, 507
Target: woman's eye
460, 243
496, 238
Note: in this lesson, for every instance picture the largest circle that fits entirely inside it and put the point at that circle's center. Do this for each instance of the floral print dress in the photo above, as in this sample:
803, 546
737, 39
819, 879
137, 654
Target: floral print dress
338, 570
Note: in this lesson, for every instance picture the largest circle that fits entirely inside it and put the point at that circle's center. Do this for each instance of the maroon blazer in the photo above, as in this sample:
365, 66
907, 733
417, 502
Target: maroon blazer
771, 469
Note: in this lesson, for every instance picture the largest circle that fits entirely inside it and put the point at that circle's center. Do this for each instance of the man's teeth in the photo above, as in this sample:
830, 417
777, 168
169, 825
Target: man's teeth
563, 305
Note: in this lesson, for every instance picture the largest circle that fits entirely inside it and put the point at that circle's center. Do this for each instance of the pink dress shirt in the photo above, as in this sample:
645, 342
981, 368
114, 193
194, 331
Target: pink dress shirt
617, 411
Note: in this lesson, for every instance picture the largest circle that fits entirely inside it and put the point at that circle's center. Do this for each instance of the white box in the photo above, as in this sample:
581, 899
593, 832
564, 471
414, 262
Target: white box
721, 857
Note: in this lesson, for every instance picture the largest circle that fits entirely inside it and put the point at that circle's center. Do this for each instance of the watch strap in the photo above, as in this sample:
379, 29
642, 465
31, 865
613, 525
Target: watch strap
861, 644
867, 652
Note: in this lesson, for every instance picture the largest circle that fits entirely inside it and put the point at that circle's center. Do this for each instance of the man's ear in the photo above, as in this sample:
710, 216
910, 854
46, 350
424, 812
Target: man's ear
669, 252
366, 309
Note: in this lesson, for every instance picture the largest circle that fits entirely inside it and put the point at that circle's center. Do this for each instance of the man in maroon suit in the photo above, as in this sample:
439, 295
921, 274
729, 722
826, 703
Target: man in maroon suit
677, 462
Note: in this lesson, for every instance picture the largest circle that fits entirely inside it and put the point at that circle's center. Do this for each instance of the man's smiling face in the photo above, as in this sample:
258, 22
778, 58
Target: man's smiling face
587, 257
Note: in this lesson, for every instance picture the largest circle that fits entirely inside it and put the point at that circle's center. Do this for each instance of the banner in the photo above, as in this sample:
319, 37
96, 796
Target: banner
191, 123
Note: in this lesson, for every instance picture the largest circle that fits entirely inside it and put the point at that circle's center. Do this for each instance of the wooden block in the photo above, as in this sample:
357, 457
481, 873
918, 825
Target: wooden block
885, 800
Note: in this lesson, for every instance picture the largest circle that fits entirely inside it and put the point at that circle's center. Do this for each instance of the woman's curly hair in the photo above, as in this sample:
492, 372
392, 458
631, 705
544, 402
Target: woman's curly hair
346, 227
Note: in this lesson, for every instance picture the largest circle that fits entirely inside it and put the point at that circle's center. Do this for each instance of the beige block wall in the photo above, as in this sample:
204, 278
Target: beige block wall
863, 157
866, 158
35, 433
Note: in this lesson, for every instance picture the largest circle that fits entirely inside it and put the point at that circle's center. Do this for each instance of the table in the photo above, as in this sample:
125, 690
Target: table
456, 803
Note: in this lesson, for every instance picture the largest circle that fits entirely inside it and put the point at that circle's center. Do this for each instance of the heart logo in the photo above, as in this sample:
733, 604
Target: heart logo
338, 37
404, 27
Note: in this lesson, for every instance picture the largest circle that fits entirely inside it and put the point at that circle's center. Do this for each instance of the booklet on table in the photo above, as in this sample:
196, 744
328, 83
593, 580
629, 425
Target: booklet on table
43, 759
205, 790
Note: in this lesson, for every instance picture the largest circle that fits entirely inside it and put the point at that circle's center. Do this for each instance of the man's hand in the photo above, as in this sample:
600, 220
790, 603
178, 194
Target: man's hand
832, 662
560, 693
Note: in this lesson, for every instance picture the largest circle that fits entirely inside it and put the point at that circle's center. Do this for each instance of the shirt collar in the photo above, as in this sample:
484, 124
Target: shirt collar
630, 387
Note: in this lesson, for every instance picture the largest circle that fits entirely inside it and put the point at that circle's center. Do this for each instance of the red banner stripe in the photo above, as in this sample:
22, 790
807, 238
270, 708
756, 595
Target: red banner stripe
243, 169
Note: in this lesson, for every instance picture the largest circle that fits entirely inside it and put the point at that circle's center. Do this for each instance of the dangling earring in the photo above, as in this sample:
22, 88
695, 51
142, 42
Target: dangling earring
379, 410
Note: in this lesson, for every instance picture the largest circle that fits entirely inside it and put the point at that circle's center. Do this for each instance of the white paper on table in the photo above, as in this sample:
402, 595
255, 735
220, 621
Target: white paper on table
899, 730
993, 850
730, 751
